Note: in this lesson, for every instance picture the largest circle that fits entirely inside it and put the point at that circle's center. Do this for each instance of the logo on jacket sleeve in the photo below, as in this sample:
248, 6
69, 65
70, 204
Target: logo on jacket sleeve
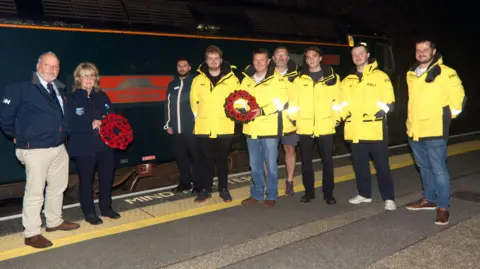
80, 111
6, 101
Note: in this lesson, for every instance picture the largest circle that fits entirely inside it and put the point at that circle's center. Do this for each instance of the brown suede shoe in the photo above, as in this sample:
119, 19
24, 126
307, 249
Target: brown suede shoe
442, 216
422, 204
38, 241
65, 226
269, 203
250, 201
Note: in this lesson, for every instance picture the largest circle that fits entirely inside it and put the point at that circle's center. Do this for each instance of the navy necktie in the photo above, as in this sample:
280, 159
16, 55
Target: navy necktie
53, 94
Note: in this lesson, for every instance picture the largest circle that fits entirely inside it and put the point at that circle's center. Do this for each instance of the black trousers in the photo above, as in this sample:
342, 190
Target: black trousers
86, 166
325, 149
186, 154
361, 153
211, 151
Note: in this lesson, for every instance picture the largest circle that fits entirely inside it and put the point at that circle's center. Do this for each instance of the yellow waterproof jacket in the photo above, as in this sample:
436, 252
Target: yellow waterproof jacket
365, 99
207, 101
434, 99
292, 73
271, 95
317, 102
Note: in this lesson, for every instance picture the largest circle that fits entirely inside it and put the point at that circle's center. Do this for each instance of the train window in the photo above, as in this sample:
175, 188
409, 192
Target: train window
384, 56
296, 58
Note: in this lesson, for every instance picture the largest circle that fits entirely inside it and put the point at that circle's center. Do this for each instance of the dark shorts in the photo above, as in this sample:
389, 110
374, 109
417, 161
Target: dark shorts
291, 140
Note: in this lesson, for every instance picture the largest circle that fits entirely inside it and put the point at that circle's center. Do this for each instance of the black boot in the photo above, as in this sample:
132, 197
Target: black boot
307, 198
111, 214
329, 199
93, 219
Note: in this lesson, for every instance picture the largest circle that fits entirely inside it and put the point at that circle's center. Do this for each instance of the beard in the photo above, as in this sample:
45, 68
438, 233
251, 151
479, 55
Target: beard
48, 77
425, 59
281, 63
216, 68
182, 73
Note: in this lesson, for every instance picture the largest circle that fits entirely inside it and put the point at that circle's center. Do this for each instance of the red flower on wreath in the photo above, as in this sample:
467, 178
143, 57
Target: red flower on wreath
115, 131
235, 115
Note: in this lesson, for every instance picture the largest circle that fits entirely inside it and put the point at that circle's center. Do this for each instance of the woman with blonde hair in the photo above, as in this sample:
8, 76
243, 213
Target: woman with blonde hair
87, 105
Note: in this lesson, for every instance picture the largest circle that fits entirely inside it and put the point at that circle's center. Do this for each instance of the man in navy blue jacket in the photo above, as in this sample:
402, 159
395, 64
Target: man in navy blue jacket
33, 114
179, 122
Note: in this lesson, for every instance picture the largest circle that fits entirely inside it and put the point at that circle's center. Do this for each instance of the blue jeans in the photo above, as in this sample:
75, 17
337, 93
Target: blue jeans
431, 158
259, 151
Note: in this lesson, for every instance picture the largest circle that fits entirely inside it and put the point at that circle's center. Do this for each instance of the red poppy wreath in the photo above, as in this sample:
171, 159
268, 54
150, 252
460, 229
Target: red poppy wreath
244, 97
115, 131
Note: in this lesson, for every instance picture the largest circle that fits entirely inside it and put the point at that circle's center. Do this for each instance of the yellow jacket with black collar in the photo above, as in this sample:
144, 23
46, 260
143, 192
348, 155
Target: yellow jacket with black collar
434, 99
292, 71
366, 98
207, 101
290, 75
272, 97
315, 108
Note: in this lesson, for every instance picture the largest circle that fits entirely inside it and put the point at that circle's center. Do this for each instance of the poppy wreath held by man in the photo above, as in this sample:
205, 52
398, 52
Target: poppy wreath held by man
249, 104
115, 131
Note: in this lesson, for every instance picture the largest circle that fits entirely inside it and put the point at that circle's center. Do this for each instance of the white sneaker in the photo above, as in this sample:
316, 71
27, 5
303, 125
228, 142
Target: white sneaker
359, 199
390, 205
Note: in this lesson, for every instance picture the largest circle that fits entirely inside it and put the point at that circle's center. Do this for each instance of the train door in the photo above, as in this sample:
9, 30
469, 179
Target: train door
382, 51
385, 59
384, 55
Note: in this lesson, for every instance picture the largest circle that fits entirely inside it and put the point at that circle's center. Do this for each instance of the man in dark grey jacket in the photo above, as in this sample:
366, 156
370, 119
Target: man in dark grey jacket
179, 122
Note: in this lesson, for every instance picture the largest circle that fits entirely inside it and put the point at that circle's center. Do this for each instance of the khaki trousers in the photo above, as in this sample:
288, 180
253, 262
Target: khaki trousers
50, 166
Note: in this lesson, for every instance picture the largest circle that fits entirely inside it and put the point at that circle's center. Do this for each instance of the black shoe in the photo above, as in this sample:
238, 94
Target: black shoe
181, 188
307, 198
93, 219
330, 200
225, 195
202, 196
111, 214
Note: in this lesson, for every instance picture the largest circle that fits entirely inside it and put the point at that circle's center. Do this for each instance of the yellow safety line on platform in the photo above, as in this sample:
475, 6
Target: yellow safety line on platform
397, 162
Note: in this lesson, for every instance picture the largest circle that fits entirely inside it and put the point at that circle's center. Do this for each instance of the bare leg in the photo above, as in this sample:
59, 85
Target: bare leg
290, 159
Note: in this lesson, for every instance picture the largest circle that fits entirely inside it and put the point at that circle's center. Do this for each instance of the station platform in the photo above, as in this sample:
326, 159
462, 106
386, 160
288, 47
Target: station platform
163, 230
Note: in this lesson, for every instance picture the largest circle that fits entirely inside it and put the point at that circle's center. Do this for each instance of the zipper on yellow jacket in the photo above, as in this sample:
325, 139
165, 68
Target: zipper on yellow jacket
272, 96
365, 100
435, 98
315, 108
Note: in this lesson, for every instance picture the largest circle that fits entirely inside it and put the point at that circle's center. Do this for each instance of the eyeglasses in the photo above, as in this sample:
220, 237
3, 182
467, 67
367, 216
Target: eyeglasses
88, 76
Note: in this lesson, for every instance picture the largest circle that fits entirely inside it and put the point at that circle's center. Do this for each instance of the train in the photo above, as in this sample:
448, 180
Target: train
135, 47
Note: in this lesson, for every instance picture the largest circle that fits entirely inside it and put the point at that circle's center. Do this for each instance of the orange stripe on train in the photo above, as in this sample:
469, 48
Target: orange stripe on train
135, 89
